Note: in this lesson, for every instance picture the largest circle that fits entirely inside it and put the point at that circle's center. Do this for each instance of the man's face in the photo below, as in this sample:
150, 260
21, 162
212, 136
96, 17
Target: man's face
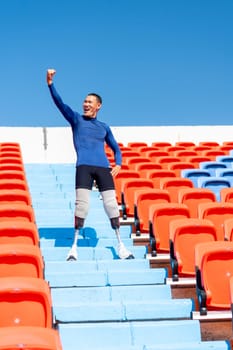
91, 106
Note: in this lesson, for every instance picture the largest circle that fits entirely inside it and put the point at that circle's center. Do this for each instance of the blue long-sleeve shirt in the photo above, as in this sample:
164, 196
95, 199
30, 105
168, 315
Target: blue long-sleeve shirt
89, 136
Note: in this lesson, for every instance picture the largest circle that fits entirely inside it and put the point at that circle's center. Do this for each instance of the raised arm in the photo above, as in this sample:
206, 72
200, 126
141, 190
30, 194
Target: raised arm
50, 74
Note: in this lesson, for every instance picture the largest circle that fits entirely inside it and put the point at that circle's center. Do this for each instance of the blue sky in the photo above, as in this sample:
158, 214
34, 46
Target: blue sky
154, 62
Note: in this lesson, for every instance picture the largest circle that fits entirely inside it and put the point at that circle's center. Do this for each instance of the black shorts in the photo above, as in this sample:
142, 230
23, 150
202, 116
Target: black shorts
87, 174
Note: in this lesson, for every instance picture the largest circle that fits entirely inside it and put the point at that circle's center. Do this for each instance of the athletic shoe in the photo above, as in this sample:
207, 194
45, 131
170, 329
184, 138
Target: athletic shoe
123, 252
73, 254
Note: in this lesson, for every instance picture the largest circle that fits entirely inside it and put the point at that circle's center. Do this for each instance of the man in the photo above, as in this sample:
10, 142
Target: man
89, 138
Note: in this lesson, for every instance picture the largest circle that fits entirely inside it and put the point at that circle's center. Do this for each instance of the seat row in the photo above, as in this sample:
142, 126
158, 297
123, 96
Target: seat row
25, 298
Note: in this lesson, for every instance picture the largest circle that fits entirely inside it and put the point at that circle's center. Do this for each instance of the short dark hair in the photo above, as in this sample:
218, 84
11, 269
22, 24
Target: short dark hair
98, 97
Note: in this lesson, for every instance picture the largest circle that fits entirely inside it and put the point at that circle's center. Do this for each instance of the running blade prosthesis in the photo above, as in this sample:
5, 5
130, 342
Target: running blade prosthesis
73, 254
123, 252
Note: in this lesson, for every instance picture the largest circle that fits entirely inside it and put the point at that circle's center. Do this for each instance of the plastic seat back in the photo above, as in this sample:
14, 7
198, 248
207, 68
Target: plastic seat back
226, 195
173, 185
16, 212
160, 216
194, 174
15, 196
122, 175
136, 144
128, 189
196, 160
143, 199
13, 185
144, 169
11, 160
212, 165
216, 212
184, 235
25, 301
153, 155
214, 267
161, 144
215, 184
186, 144
133, 161
157, 175
164, 161
29, 338
21, 260
17, 231
228, 229
192, 197
177, 167
214, 153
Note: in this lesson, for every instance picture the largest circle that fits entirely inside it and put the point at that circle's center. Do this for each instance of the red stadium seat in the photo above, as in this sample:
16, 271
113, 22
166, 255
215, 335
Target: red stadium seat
173, 186
25, 301
214, 268
184, 235
15, 196
17, 231
160, 216
20, 212
122, 175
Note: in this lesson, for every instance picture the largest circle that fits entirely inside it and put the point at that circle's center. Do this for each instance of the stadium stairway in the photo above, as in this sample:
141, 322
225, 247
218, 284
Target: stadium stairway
100, 301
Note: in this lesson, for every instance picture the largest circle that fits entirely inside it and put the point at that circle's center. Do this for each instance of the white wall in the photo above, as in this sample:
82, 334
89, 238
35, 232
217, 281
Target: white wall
59, 143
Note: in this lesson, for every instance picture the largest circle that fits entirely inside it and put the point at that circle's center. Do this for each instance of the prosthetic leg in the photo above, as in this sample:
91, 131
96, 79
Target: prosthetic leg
81, 210
111, 209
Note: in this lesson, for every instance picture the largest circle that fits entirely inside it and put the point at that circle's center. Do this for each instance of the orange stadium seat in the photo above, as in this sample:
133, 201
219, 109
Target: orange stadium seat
10, 166
143, 199
173, 186
214, 153
122, 175
228, 229
144, 149
157, 175
160, 216
217, 212
15, 196
165, 160
153, 155
212, 144
196, 160
17, 231
186, 144
6, 144
25, 301
177, 167
13, 185
137, 144
183, 154
227, 143
9, 212
11, 160
184, 235
133, 161
21, 260
161, 144
29, 338
172, 149
12, 174
226, 194
192, 197
145, 168
214, 267
128, 187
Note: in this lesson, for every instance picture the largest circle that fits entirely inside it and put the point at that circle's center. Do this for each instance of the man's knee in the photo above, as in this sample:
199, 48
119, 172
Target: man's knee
110, 203
82, 202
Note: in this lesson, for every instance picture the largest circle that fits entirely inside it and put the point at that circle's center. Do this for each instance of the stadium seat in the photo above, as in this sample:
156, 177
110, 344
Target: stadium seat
9, 212
186, 144
184, 235
143, 199
144, 149
145, 168
217, 212
195, 174
128, 187
10, 160
25, 301
172, 149
14, 185
177, 167
10, 166
212, 166
160, 216
133, 161
16, 231
212, 144
227, 143
153, 155
161, 144
10, 145
122, 175
29, 338
15, 196
165, 160
137, 144
225, 159
215, 184
226, 174
226, 195
157, 175
214, 267
192, 197
21, 260
228, 229
196, 160
173, 185
214, 153
12, 175
183, 154
11, 153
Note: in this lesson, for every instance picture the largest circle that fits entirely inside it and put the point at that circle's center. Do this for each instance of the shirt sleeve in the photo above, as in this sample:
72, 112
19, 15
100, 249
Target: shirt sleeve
112, 143
66, 111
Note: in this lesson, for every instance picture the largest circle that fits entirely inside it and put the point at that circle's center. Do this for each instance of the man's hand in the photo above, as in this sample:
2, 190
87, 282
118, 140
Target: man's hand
115, 170
50, 74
